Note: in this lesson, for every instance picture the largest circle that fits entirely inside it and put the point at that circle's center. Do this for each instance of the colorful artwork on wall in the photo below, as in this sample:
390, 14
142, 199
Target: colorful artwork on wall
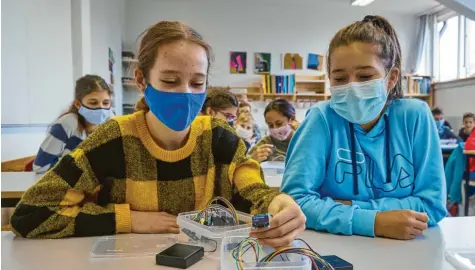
292, 61
238, 62
315, 61
262, 62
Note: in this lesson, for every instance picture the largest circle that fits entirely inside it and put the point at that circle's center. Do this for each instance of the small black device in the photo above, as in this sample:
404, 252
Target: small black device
337, 263
180, 256
261, 221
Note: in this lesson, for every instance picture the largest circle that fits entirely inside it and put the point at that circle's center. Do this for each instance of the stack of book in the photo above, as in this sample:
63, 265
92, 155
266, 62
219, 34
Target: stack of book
418, 84
278, 84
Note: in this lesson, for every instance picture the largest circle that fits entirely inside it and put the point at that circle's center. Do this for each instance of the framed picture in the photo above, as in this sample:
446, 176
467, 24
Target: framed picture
315, 61
262, 62
292, 61
238, 62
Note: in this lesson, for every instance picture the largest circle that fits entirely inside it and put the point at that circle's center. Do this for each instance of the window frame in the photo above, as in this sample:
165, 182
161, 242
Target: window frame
462, 45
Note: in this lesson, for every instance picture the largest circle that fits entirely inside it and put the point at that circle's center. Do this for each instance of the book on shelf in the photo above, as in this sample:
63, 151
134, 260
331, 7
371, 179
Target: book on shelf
278, 84
417, 85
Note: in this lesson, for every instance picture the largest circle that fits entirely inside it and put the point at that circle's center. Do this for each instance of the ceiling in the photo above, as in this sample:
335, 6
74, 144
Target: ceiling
396, 6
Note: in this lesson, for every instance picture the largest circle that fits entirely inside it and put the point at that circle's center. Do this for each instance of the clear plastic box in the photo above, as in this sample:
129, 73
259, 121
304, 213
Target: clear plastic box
461, 259
272, 168
210, 236
291, 262
131, 245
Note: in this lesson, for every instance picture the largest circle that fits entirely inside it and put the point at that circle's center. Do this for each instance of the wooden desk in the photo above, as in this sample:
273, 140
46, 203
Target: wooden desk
425, 252
14, 184
470, 154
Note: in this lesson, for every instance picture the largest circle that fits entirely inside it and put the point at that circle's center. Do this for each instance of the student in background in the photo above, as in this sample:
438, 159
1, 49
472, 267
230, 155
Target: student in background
468, 126
135, 173
244, 129
279, 115
222, 104
90, 108
439, 118
245, 108
367, 162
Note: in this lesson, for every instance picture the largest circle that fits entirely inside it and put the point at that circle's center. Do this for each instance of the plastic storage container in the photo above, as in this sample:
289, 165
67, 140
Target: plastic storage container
131, 245
461, 259
291, 262
210, 236
272, 168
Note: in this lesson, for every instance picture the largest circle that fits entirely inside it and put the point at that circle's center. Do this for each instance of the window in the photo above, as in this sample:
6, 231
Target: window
448, 48
470, 47
456, 48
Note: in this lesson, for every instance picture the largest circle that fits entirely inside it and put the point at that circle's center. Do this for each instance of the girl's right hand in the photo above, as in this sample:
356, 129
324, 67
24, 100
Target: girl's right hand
153, 222
400, 224
262, 152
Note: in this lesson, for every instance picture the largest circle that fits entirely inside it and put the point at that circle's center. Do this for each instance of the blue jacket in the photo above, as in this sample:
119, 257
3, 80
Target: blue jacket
454, 169
396, 165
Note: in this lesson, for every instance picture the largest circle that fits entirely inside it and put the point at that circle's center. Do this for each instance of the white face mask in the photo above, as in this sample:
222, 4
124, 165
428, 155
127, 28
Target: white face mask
244, 133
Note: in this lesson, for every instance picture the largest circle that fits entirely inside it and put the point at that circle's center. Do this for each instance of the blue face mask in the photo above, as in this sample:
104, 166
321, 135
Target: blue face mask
359, 102
95, 116
440, 123
175, 110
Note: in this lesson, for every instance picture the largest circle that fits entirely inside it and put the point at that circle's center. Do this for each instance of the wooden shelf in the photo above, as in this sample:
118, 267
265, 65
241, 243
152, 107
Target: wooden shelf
129, 60
417, 95
129, 85
310, 81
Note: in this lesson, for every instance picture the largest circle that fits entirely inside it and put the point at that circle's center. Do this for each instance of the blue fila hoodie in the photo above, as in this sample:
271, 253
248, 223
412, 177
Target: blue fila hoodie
396, 165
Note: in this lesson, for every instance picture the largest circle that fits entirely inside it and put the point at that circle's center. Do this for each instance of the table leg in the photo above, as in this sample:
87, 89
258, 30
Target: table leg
467, 182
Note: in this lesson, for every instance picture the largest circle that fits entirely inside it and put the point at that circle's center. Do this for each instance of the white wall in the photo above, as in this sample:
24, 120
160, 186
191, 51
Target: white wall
257, 26
37, 73
275, 26
36, 60
40, 62
456, 98
107, 21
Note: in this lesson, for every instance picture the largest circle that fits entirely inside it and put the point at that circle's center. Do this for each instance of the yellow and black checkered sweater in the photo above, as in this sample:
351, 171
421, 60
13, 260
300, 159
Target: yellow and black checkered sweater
120, 168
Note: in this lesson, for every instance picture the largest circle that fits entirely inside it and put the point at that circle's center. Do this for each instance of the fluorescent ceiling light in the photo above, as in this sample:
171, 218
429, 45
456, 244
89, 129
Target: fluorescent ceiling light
361, 2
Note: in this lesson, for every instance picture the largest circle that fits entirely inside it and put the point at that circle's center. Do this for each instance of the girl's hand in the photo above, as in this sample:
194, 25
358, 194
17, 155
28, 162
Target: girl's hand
262, 152
153, 222
287, 222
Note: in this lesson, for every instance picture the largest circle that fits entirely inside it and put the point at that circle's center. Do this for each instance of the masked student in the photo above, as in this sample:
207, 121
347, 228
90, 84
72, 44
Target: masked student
279, 115
443, 127
222, 104
368, 161
90, 108
245, 108
135, 173
244, 128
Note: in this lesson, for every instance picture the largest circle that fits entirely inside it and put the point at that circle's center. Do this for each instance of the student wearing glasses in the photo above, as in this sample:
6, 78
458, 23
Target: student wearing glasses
221, 103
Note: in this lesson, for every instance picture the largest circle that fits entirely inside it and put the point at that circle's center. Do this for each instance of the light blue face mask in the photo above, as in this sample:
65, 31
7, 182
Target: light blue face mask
174, 110
95, 116
440, 123
359, 102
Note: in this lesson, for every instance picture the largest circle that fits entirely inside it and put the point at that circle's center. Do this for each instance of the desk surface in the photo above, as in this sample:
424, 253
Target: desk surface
15, 183
425, 252
469, 152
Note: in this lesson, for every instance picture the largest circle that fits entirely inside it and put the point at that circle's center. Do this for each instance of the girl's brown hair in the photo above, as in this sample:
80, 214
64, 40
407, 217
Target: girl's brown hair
245, 118
372, 30
219, 99
84, 86
162, 33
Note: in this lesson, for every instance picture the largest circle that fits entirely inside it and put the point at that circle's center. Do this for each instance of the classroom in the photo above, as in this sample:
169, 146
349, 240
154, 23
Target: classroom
250, 134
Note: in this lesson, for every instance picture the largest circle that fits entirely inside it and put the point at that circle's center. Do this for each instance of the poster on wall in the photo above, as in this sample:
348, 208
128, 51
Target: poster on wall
292, 61
315, 61
262, 62
111, 66
238, 62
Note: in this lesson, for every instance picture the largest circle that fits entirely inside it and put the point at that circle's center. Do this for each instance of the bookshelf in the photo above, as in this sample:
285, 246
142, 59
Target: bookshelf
418, 86
130, 91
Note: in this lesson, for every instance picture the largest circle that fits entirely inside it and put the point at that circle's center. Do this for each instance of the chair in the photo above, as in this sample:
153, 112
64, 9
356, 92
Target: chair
468, 186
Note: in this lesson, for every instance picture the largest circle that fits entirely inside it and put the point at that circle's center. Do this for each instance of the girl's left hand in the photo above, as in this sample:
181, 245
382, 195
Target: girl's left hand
287, 222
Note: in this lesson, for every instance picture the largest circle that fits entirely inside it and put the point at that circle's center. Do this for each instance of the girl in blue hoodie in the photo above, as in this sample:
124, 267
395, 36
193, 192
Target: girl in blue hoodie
368, 161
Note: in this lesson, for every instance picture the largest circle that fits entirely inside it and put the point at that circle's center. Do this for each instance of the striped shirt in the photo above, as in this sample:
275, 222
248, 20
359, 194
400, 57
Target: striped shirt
120, 167
63, 137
